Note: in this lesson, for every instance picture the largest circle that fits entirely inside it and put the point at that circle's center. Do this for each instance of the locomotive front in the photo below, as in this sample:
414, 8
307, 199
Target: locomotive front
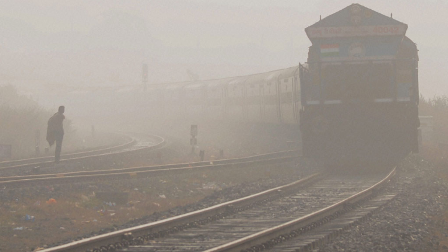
359, 89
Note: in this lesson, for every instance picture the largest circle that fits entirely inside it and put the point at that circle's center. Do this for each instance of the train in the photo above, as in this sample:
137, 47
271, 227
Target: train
360, 89
354, 101
269, 98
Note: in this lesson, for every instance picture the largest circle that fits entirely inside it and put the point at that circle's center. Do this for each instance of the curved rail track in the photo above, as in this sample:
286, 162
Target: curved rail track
309, 231
36, 165
252, 223
17, 163
144, 171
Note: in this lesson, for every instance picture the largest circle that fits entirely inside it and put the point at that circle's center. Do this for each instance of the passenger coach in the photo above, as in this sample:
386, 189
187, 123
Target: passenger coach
272, 97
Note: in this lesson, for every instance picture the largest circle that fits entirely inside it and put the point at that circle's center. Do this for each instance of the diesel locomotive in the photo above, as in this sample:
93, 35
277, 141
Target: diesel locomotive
359, 89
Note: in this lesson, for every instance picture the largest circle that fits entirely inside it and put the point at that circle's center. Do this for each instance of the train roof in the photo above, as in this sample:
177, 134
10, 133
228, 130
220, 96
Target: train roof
270, 76
356, 21
358, 33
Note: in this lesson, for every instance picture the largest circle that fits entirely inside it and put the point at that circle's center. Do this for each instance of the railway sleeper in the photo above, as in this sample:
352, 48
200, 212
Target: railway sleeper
129, 239
313, 225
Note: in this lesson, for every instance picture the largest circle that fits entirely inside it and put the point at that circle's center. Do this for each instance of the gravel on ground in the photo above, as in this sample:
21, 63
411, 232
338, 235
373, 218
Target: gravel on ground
412, 221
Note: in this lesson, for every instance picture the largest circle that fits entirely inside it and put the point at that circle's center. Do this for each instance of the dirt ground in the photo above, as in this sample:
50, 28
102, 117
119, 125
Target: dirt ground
35, 218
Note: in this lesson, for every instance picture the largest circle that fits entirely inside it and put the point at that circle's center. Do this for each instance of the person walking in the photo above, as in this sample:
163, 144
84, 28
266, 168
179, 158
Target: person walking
55, 132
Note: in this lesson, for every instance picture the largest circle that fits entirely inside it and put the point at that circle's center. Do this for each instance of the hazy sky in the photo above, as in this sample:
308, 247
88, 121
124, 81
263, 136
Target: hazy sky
54, 39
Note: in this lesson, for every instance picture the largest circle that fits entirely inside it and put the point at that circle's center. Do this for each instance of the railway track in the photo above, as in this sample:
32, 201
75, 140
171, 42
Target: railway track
144, 171
309, 231
42, 165
254, 222
17, 163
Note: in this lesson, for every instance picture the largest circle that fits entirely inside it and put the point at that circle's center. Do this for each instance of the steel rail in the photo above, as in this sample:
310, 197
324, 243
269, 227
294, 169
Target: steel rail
160, 144
313, 219
123, 237
138, 172
145, 168
130, 142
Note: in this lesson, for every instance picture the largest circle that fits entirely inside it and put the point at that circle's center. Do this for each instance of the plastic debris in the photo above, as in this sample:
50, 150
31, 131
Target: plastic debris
18, 228
63, 228
29, 217
51, 201
110, 204
162, 196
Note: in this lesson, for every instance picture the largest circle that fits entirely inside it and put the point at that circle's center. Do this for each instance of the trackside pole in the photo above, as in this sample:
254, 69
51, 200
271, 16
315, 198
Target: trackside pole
193, 140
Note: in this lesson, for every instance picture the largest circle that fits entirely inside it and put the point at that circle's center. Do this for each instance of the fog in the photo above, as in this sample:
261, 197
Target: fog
67, 45
55, 51
88, 55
